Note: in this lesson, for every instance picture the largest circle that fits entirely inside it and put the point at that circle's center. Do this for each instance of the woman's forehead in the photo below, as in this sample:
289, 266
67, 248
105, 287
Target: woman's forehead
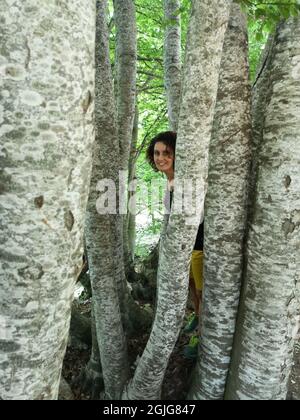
162, 147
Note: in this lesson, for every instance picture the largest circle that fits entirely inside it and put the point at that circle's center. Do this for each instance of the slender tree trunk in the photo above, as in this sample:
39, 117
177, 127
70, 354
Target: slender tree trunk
90, 380
47, 86
226, 210
101, 229
206, 35
294, 385
130, 225
126, 61
269, 314
260, 98
172, 60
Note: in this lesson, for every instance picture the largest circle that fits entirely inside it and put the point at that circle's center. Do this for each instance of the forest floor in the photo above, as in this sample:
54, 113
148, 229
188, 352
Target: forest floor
178, 376
177, 379
176, 382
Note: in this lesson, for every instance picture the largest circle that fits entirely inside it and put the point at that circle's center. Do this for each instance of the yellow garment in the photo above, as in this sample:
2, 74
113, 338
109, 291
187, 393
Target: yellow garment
196, 270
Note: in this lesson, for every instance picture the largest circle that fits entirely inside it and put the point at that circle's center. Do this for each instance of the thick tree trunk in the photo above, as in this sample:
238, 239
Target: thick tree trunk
172, 60
269, 314
101, 239
47, 86
206, 35
226, 210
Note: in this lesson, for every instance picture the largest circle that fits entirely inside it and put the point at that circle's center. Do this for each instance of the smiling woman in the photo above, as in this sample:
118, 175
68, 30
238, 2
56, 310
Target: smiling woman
161, 153
164, 159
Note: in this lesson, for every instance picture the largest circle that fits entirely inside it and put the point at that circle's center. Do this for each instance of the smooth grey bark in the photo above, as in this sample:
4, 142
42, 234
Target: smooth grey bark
130, 223
46, 116
226, 213
205, 41
269, 314
172, 60
126, 59
125, 96
101, 229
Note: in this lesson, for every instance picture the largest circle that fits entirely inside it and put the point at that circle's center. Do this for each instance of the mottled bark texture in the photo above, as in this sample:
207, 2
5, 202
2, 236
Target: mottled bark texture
269, 314
100, 233
260, 98
47, 90
172, 60
205, 41
226, 210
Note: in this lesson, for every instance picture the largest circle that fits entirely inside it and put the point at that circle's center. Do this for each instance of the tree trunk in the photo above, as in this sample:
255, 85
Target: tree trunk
294, 385
269, 314
130, 223
226, 210
101, 239
260, 98
172, 60
206, 35
90, 379
126, 59
46, 112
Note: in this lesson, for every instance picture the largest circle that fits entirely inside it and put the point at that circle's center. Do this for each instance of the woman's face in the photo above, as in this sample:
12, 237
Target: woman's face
163, 158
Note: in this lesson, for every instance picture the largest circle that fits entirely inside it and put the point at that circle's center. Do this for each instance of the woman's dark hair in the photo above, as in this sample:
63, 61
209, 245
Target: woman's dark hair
168, 138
